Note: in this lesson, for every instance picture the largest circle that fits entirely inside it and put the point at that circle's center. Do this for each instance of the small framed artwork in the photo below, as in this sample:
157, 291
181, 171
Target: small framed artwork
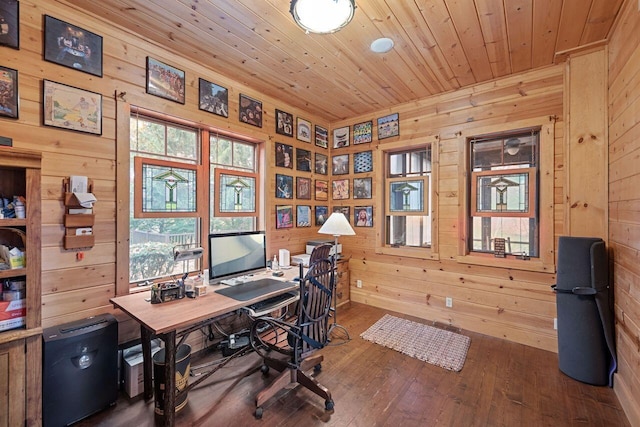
68, 107
322, 164
340, 164
303, 160
303, 127
361, 188
10, 23
303, 188
8, 92
284, 216
165, 81
322, 213
388, 126
362, 132
284, 186
363, 216
284, 123
362, 162
322, 137
344, 210
213, 98
322, 190
71, 46
284, 155
340, 189
250, 111
303, 216
341, 137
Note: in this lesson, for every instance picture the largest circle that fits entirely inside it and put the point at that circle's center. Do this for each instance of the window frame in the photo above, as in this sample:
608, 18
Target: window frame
383, 181
546, 260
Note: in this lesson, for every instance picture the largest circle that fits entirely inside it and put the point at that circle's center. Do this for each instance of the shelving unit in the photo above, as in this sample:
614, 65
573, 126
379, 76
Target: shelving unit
21, 348
75, 222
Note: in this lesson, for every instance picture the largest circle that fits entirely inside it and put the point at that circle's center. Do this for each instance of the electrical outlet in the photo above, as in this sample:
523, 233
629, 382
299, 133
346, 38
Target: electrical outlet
358, 283
555, 323
449, 302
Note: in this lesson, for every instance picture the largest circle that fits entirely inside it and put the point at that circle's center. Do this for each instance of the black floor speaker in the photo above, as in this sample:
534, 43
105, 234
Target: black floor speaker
80, 369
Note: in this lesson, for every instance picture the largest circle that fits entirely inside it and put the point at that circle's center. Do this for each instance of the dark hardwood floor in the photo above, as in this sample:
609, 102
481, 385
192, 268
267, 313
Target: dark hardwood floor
501, 384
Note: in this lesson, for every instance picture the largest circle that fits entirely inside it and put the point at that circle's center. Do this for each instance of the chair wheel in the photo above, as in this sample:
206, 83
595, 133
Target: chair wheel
328, 405
317, 368
264, 369
259, 412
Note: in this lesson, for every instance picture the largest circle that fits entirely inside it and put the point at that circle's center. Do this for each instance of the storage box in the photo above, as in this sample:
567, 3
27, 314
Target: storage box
133, 370
12, 314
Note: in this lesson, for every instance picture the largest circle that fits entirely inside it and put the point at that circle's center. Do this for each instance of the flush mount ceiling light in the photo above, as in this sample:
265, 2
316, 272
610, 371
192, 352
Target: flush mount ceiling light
382, 45
512, 146
322, 16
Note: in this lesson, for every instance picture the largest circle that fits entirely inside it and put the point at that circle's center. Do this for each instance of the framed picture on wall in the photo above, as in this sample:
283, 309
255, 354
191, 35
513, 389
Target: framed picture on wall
284, 155
322, 164
10, 23
322, 189
344, 210
303, 216
362, 132
303, 188
250, 111
363, 216
340, 189
322, 137
71, 46
303, 132
69, 107
341, 137
340, 164
284, 123
322, 213
303, 160
284, 216
362, 162
8, 92
388, 126
284, 186
165, 81
213, 98
361, 188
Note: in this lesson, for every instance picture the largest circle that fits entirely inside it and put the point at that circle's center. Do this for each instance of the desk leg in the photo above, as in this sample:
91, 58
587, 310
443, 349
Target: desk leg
147, 362
170, 378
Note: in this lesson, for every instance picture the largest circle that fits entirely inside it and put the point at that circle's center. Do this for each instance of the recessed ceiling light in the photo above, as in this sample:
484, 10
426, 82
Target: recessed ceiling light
382, 45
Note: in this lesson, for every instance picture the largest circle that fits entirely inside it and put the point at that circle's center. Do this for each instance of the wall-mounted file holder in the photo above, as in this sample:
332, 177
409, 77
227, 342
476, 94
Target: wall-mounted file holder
78, 219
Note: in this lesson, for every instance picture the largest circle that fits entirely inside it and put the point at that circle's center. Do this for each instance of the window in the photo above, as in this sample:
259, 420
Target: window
407, 201
168, 208
503, 217
506, 202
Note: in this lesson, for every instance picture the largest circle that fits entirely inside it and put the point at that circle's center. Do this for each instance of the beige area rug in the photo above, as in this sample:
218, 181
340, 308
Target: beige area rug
432, 345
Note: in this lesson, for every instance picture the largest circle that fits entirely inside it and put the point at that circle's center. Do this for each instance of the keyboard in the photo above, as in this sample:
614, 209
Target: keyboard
268, 305
233, 281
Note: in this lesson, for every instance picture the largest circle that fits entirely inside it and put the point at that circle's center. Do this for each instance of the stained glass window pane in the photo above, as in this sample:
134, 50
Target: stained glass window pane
502, 193
406, 196
237, 193
168, 189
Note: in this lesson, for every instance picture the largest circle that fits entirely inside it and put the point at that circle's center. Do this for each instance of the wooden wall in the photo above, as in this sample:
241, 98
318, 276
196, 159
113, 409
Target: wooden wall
624, 201
73, 288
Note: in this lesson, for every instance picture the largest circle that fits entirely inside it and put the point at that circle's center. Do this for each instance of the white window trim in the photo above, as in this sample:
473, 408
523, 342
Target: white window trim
546, 261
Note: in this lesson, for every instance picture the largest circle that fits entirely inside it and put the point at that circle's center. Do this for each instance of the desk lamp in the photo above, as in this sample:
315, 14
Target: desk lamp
338, 225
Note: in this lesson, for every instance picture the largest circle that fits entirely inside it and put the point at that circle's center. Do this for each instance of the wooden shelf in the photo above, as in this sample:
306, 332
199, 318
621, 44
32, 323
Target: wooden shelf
73, 222
13, 222
14, 272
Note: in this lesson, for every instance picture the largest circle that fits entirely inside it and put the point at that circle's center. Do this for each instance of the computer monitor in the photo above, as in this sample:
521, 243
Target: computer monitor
232, 254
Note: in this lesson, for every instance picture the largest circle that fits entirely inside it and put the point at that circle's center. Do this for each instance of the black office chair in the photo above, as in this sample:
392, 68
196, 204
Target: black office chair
297, 338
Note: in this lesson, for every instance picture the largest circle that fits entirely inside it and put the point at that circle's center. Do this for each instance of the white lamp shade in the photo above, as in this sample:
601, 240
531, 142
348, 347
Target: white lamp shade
337, 225
322, 16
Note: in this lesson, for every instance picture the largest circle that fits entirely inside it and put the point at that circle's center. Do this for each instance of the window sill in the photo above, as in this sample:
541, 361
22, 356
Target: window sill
533, 264
409, 252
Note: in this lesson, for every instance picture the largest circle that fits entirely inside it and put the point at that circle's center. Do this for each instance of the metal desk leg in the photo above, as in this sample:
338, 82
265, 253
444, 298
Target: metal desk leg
170, 378
147, 363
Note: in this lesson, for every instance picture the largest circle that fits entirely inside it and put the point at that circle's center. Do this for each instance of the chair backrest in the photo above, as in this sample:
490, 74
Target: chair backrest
314, 308
320, 252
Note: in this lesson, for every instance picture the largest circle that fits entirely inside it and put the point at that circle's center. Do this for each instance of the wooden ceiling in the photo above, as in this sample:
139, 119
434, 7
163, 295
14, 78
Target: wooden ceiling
440, 45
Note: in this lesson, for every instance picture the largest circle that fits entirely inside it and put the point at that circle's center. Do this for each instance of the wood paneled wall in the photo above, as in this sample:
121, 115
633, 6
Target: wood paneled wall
73, 288
513, 304
624, 201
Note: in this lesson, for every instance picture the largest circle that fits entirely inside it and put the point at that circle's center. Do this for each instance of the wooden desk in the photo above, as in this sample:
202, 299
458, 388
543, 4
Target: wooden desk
178, 317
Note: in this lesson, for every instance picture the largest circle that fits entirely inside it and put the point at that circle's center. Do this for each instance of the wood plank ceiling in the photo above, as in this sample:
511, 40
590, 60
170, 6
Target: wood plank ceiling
440, 45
